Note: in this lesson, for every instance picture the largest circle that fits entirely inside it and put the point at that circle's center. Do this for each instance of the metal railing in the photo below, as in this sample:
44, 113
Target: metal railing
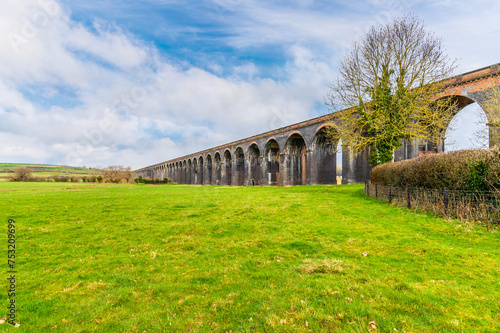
478, 206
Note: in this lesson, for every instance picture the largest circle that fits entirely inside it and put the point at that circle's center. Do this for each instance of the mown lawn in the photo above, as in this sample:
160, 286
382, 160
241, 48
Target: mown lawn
138, 258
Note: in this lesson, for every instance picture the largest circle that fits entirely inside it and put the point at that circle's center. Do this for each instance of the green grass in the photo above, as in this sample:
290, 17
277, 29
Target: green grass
179, 258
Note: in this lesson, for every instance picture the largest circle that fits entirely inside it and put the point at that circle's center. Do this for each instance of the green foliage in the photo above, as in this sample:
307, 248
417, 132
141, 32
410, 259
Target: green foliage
474, 170
384, 118
111, 258
478, 175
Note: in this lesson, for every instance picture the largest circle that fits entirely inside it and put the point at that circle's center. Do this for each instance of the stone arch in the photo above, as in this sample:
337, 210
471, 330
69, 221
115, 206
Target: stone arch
201, 174
227, 168
184, 172
294, 160
209, 174
194, 172
176, 172
189, 171
272, 162
218, 169
254, 173
323, 157
466, 107
239, 172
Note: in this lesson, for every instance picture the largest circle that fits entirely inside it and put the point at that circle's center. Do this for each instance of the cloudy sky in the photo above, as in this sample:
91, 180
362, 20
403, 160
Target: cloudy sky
134, 83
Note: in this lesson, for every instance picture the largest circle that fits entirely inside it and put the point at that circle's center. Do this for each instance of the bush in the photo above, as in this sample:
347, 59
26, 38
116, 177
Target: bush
474, 170
156, 181
22, 174
62, 179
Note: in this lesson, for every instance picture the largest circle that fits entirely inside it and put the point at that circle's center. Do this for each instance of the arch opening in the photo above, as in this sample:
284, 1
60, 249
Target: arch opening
227, 169
254, 174
184, 173
176, 172
239, 174
340, 160
272, 162
188, 172
209, 170
468, 129
294, 165
194, 171
218, 169
324, 158
201, 174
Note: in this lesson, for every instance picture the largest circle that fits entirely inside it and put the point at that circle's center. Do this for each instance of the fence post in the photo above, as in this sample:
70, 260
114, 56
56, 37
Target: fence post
445, 199
408, 196
376, 191
390, 193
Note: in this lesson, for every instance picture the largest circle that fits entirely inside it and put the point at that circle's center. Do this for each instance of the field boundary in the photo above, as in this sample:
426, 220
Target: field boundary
477, 206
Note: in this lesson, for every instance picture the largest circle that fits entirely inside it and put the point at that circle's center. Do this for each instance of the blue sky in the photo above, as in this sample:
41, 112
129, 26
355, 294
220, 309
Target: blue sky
134, 83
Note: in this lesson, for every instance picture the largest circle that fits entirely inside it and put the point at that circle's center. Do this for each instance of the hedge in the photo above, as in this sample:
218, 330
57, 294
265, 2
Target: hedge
472, 170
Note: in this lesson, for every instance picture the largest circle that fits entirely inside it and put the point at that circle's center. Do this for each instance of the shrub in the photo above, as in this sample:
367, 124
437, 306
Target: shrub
474, 170
22, 174
63, 179
74, 179
147, 180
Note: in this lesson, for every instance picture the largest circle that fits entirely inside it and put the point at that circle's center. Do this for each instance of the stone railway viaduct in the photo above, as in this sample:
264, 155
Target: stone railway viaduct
299, 154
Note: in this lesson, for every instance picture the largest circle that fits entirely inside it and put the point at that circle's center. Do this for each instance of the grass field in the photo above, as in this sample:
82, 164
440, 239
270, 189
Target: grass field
138, 258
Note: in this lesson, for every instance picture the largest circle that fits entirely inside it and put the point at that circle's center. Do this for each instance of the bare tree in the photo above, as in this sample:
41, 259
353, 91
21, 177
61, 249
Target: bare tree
116, 173
480, 137
21, 174
387, 90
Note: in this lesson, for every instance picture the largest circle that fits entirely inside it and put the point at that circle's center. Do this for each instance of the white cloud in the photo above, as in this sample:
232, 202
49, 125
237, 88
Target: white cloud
133, 108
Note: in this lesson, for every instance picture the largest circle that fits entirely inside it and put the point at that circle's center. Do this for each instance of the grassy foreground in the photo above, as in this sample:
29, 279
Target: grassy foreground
137, 258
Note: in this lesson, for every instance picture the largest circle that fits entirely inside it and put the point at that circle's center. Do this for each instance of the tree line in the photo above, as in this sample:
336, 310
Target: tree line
111, 174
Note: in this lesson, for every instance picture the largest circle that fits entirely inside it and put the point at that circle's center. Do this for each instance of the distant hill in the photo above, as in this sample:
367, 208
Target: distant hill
43, 170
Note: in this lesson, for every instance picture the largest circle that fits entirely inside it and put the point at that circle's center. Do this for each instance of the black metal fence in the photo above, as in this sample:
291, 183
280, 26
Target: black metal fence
483, 207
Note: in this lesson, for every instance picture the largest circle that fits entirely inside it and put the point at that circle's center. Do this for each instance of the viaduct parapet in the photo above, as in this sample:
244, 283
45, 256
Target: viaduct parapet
299, 154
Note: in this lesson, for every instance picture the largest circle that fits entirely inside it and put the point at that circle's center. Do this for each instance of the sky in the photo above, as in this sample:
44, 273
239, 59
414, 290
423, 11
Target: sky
134, 83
